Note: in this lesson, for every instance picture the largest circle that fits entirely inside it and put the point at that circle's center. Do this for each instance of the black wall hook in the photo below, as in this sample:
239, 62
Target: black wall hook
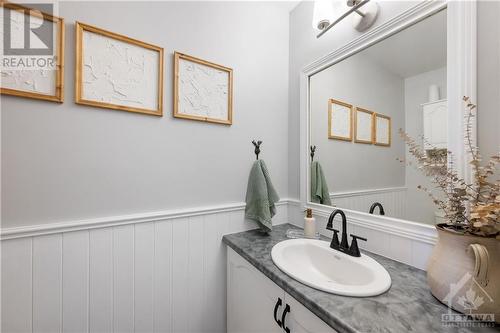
257, 148
313, 150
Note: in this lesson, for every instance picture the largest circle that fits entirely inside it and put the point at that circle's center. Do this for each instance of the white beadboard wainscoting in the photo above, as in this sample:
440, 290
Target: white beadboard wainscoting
407, 242
393, 199
400, 245
158, 272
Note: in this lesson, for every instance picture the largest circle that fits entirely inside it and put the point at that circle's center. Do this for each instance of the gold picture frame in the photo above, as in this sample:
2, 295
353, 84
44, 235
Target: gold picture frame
388, 134
79, 99
179, 112
331, 110
361, 125
58, 96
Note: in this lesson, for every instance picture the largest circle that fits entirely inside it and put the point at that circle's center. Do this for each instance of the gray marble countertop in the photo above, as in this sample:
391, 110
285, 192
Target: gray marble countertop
408, 306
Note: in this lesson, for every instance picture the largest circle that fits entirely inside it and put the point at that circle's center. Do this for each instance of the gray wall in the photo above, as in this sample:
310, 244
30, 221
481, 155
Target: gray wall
489, 78
419, 206
351, 166
66, 162
305, 48
63, 162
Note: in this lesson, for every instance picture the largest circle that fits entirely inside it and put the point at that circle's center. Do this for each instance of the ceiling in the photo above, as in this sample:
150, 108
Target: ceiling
417, 49
284, 4
291, 5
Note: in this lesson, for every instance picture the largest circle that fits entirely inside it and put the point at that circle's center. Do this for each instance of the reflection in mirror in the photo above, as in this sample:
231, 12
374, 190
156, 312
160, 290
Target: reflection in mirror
357, 107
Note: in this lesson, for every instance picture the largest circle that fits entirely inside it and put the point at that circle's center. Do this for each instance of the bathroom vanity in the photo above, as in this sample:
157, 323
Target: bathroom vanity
262, 298
256, 304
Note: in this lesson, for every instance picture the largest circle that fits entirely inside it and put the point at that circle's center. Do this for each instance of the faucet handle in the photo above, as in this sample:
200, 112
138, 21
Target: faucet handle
358, 237
354, 249
335, 239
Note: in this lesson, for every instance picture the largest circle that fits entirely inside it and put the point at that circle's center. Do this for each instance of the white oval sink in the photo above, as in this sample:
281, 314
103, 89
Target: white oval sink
315, 264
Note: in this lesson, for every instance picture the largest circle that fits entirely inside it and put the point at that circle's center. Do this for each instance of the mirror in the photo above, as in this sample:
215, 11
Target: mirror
357, 107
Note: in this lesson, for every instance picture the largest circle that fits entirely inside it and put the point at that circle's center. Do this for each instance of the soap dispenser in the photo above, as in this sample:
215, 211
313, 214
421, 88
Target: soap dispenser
309, 224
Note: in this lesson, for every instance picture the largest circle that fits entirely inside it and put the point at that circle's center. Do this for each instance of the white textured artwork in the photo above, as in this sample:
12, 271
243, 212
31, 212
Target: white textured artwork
119, 73
382, 130
364, 126
27, 74
340, 125
203, 91
38, 81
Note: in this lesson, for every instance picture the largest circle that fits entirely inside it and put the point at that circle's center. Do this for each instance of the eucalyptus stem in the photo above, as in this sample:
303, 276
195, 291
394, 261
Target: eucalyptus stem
476, 206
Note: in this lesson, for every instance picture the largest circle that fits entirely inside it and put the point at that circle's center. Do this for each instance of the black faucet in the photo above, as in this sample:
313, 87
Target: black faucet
379, 205
344, 247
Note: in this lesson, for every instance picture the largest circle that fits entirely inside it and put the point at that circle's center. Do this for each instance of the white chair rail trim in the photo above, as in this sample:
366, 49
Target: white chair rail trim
366, 192
110, 221
416, 231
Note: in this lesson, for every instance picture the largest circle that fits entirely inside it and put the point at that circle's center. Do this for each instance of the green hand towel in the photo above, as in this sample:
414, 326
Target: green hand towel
319, 188
261, 196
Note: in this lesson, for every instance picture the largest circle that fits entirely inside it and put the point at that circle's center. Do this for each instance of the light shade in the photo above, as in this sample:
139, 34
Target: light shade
323, 14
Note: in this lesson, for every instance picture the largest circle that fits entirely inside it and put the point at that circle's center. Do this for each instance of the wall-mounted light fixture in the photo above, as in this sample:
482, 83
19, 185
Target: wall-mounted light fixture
323, 15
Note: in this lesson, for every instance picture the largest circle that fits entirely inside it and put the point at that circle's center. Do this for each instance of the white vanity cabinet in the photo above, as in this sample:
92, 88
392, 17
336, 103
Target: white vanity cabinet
255, 303
435, 124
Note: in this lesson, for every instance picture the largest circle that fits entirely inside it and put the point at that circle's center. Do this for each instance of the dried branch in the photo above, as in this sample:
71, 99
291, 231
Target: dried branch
474, 208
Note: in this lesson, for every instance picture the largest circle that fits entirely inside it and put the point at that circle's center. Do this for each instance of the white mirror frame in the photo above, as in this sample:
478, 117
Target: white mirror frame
461, 81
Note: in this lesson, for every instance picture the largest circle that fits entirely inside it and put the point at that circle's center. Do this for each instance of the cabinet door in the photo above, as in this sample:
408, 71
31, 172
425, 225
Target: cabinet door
301, 320
436, 124
251, 298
